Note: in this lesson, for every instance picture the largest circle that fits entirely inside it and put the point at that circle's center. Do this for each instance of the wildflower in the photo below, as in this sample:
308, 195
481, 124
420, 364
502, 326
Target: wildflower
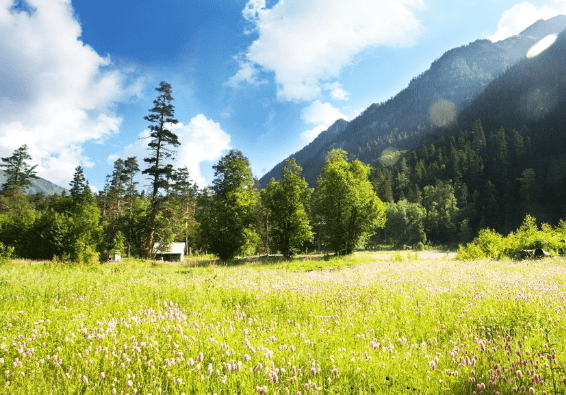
179, 381
129, 383
85, 379
274, 377
261, 390
531, 390
102, 375
334, 372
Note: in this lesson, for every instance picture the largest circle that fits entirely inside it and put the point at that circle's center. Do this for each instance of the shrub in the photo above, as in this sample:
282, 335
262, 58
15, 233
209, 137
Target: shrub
470, 252
529, 236
6, 253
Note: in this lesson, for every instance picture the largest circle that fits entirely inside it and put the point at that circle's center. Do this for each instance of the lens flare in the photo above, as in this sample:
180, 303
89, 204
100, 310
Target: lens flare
390, 156
541, 46
538, 103
443, 113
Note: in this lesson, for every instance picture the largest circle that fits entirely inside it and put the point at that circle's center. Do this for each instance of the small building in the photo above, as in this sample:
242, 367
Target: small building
175, 252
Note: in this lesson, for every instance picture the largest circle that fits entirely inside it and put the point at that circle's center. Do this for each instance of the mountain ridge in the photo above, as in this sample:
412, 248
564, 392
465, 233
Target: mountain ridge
38, 185
454, 80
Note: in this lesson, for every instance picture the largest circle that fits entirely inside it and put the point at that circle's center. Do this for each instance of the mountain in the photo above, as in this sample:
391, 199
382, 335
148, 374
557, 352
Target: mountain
503, 158
530, 96
38, 185
543, 28
431, 100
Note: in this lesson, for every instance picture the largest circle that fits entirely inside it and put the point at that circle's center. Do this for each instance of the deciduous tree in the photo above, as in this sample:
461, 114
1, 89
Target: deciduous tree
285, 201
228, 222
347, 203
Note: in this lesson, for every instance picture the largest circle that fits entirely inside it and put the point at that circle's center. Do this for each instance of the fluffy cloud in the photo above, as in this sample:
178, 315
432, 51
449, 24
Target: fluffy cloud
202, 140
522, 15
56, 92
323, 115
306, 43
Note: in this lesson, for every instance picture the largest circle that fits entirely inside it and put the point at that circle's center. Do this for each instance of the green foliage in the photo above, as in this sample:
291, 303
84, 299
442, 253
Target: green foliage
6, 253
442, 209
347, 204
19, 173
405, 223
285, 201
161, 147
161, 115
70, 230
79, 183
529, 236
17, 215
488, 244
228, 213
119, 241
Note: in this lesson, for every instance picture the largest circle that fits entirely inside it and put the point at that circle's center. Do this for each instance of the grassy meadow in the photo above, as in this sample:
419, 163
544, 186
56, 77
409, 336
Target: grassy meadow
374, 323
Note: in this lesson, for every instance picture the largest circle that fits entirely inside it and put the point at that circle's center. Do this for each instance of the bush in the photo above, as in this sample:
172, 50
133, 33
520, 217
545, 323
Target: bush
491, 243
6, 253
88, 257
529, 236
470, 252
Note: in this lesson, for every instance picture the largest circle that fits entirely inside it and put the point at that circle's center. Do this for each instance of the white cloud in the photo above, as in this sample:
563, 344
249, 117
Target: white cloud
306, 43
202, 140
336, 91
57, 93
323, 115
247, 73
522, 15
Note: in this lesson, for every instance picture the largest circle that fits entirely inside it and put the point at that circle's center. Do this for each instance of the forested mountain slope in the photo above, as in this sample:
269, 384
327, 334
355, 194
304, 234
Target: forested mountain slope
451, 84
504, 158
38, 185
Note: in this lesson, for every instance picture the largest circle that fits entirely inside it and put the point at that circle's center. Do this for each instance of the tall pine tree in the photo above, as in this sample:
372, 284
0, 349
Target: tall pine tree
161, 148
18, 172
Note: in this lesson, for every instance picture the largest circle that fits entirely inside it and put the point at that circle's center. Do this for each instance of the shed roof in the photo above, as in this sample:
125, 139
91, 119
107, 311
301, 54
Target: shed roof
175, 248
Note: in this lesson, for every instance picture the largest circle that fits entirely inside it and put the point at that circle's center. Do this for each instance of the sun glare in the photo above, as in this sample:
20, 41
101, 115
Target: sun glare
443, 113
541, 46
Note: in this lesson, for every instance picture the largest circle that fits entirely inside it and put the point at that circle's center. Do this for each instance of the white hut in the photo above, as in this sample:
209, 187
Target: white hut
175, 252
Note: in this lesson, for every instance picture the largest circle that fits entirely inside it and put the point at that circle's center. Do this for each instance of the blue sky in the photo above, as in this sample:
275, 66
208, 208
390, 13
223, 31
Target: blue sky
262, 76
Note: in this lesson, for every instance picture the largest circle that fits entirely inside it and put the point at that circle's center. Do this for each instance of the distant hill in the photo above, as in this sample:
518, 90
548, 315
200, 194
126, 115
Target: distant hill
449, 86
38, 185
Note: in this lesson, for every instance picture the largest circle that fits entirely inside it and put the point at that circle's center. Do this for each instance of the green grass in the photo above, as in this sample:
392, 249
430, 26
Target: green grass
383, 323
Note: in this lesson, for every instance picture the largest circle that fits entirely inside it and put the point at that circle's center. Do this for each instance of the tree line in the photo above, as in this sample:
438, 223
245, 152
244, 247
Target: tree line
443, 193
230, 217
